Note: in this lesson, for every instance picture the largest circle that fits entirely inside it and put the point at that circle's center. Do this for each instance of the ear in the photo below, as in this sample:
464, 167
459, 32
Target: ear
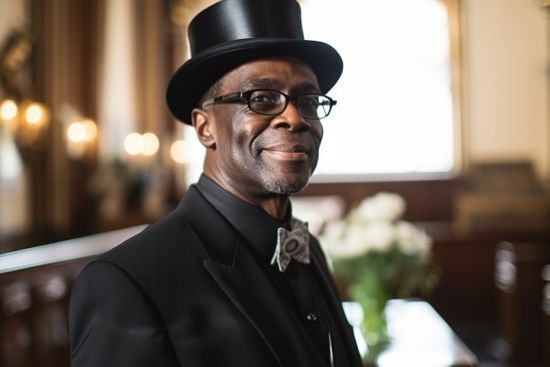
205, 127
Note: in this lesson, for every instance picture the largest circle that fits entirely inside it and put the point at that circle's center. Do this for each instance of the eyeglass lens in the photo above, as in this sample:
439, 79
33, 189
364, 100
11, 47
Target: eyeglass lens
272, 102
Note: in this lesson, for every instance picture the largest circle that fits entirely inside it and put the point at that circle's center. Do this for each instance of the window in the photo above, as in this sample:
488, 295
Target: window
395, 111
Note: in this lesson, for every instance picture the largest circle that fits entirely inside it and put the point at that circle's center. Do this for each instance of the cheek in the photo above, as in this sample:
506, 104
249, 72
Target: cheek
320, 131
247, 131
244, 134
317, 133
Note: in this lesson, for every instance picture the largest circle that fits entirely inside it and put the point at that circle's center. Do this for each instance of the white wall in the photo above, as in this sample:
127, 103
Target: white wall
506, 57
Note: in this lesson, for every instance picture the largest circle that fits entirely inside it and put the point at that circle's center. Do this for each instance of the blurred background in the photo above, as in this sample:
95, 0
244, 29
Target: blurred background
443, 102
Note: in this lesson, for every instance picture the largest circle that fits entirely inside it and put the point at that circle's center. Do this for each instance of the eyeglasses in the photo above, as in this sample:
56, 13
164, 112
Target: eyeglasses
312, 106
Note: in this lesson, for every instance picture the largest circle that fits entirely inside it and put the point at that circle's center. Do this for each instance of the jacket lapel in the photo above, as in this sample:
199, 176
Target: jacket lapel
246, 283
334, 302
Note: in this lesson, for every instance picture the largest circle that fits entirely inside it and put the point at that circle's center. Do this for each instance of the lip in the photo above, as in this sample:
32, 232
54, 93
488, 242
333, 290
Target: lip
293, 152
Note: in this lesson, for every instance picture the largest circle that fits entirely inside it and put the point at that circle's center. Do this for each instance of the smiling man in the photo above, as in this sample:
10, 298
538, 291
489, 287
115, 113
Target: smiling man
263, 144
230, 278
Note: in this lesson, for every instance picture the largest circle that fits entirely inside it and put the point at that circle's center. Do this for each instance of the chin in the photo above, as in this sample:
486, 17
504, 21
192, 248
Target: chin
286, 186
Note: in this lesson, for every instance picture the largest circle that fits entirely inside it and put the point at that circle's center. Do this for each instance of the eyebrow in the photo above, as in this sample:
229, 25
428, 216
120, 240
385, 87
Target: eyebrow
305, 87
270, 83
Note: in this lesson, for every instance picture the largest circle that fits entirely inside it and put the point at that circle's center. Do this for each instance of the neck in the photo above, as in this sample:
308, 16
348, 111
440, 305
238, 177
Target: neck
274, 205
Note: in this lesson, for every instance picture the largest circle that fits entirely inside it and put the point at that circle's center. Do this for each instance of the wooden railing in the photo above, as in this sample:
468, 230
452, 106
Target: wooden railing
35, 286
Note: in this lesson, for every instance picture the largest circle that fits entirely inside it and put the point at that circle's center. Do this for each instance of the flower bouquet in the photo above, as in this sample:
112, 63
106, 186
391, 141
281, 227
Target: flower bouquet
378, 257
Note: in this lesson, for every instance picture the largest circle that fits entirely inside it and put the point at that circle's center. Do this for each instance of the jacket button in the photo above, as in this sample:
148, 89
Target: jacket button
311, 316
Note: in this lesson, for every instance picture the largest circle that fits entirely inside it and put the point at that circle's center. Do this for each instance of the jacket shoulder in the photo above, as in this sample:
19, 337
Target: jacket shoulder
158, 252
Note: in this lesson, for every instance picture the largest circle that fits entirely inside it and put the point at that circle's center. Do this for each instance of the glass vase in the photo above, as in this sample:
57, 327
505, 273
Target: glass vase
373, 298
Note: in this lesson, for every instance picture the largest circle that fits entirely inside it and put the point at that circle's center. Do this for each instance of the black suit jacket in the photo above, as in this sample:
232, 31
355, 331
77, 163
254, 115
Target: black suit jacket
187, 292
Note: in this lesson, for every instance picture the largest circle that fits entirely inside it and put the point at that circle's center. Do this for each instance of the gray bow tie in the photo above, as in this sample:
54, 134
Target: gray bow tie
292, 244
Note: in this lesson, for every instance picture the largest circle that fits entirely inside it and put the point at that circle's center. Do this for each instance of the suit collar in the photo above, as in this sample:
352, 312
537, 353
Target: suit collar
209, 226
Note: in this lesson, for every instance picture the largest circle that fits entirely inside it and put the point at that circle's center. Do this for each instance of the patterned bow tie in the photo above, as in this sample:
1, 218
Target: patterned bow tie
292, 244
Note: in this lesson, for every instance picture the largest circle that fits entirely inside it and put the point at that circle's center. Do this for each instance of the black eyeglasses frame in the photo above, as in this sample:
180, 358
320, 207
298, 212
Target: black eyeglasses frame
244, 97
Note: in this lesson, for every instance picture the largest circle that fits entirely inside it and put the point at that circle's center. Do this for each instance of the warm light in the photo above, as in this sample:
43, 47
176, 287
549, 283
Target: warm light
35, 114
150, 144
8, 110
177, 151
133, 144
79, 135
91, 130
76, 132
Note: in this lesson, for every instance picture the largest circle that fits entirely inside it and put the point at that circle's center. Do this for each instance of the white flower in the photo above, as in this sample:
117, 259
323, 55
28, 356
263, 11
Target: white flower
357, 239
334, 230
333, 242
332, 234
379, 236
381, 207
411, 240
348, 244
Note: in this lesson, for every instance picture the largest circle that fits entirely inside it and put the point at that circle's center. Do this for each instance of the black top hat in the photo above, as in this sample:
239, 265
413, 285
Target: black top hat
232, 32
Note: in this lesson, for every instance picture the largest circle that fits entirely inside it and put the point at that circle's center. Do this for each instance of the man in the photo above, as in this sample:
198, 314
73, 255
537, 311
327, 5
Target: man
229, 278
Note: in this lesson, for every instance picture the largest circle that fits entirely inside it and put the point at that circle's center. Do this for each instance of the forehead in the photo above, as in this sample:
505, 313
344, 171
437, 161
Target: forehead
273, 73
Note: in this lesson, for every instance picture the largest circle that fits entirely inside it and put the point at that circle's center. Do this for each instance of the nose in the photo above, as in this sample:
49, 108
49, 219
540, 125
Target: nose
290, 119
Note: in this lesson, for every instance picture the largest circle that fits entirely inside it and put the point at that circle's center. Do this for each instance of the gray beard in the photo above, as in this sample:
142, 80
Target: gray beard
285, 188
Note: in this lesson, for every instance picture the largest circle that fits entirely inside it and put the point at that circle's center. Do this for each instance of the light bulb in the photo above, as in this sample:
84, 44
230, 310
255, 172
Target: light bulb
133, 144
150, 144
8, 110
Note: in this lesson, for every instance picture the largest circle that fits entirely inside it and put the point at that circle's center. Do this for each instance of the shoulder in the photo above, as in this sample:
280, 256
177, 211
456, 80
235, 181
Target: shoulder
166, 249
111, 320
171, 236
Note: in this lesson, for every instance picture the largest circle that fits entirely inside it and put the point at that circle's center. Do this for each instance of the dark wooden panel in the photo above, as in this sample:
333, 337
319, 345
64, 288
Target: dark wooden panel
427, 200
467, 291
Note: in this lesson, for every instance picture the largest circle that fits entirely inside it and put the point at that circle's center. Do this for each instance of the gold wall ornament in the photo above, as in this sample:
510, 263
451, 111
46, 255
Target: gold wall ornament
15, 54
26, 117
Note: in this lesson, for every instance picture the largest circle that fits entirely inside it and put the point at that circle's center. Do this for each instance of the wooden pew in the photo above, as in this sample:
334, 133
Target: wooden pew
35, 286
518, 268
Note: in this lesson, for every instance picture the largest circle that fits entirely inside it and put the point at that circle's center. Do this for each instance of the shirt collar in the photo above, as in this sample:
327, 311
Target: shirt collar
258, 228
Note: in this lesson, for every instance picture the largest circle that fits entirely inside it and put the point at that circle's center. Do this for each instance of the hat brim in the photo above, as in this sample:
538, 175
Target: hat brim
198, 74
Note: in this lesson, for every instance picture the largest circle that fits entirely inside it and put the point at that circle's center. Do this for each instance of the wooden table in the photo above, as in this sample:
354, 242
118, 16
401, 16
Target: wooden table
420, 337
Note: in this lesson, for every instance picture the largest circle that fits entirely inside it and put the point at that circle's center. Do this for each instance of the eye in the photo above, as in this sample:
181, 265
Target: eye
310, 101
265, 97
266, 102
309, 105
